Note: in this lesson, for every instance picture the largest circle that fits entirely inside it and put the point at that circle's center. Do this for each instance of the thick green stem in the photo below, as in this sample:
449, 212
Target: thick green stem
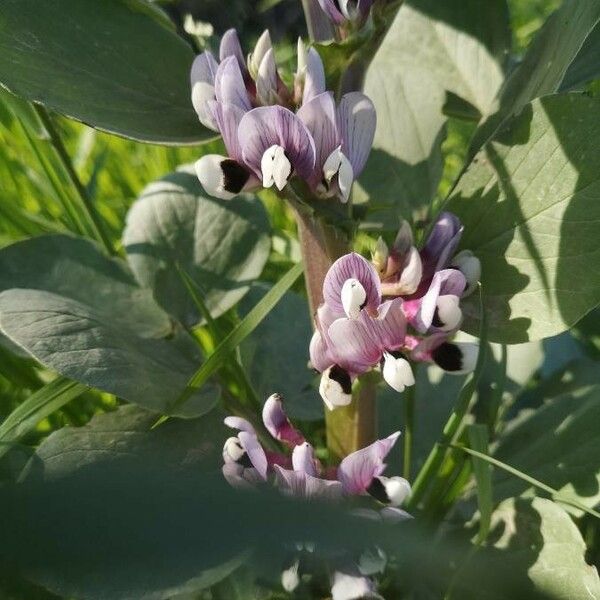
409, 424
94, 218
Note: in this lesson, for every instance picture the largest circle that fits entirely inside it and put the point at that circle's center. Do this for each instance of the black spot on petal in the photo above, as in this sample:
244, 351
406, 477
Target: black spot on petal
437, 322
448, 356
377, 490
342, 377
245, 461
235, 176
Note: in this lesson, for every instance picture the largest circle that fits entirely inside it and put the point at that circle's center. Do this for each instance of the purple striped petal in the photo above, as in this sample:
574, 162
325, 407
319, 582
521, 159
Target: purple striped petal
357, 122
303, 485
357, 470
230, 46
363, 8
389, 328
277, 423
351, 266
228, 117
229, 85
331, 9
255, 452
353, 346
268, 126
442, 242
314, 79
321, 357
202, 81
319, 116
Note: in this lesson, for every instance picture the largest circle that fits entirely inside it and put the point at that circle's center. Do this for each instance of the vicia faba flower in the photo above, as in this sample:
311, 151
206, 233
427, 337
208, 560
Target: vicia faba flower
247, 463
405, 305
343, 12
272, 133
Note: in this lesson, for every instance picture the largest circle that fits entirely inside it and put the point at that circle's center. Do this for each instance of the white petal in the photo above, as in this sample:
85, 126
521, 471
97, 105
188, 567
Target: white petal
448, 312
202, 93
302, 55
397, 489
232, 450
397, 372
404, 238
266, 80
380, 255
263, 45
470, 266
210, 174
338, 164
290, 578
354, 297
411, 273
334, 390
275, 167
470, 352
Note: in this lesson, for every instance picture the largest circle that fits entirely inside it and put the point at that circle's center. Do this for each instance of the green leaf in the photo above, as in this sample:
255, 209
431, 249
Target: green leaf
478, 440
106, 560
82, 315
544, 66
75, 268
537, 552
586, 65
36, 408
221, 245
529, 204
431, 48
276, 355
113, 64
556, 443
248, 324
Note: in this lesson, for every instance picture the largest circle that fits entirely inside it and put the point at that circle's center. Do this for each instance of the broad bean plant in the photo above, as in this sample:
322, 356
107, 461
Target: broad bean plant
310, 317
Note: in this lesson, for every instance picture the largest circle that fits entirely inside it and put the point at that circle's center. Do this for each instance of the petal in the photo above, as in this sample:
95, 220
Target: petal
357, 121
352, 586
302, 485
290, 579
470, 266
390, 325
456, 358
336, 387
234, 475
314, 79
222, 177
263, 45
303, 459
331, 10
202, 80
397, 372
357, 470
351, 266
442, 241
319, 116
268, 126
228, 117
267, 79
277, 423
255, 452
275, 167
230, 46
390, 490
320, 356
353, 345
229, 85
239, 423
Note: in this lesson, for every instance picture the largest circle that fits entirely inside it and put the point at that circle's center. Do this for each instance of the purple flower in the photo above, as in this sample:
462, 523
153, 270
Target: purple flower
356, 330
341, 12
267, 142
277, 423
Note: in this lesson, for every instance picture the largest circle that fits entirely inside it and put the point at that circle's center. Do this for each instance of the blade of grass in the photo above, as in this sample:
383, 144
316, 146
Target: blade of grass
36, 408
555, 494
248, 324
453, 426
478, 440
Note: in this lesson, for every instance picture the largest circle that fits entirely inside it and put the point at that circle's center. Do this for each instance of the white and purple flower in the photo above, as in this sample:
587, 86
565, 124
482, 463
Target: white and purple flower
404, 306
272, 133
344, 12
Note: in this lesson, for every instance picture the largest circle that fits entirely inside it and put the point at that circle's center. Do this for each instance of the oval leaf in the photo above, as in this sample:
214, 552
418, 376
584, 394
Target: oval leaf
221, 245
111, 64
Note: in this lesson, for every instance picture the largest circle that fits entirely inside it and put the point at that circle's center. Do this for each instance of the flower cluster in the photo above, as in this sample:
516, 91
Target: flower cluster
403, 306
273, 133
301, 475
